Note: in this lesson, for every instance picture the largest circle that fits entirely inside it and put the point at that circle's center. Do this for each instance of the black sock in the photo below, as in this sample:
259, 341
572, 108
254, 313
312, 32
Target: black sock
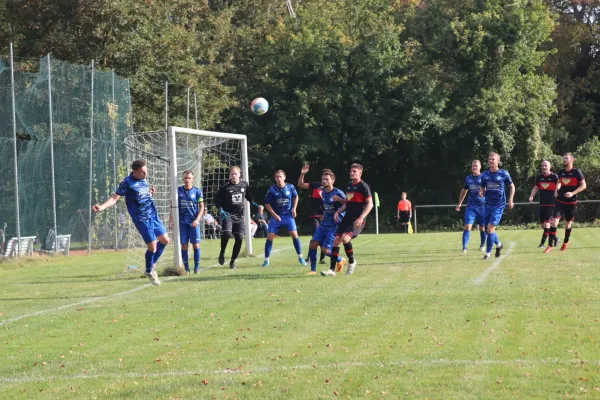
552, 236
335, 252
567, 234
322, 257
237, 246
545, 235
349, 252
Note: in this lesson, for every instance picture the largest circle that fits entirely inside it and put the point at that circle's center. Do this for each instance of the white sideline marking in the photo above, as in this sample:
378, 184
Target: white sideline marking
481, 278
94, 299
248, 370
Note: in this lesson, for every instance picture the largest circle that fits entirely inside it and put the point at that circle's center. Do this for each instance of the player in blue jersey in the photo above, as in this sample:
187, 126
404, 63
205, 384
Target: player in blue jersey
325, 234
141, 208
475, 205
191, 208
281, 202
493, 188
316, 202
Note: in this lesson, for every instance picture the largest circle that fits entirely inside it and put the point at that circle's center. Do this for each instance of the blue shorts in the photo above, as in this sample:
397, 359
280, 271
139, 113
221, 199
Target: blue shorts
493, 215
474, 213
188, 233
325, 236
287, 221
150, 228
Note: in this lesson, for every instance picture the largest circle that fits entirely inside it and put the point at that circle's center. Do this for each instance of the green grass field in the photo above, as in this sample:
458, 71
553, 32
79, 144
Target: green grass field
416, 320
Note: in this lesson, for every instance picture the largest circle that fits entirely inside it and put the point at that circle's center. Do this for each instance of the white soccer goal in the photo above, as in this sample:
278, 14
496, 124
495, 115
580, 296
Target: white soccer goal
209, 155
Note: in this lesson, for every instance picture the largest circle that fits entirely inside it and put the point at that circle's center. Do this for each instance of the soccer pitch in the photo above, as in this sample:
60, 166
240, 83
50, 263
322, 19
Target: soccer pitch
416, 320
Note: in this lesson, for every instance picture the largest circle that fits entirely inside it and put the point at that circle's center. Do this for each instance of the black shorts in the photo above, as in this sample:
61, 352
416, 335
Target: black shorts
315, 221
404, 217
546, 213
347, 226
566, 211
234, 225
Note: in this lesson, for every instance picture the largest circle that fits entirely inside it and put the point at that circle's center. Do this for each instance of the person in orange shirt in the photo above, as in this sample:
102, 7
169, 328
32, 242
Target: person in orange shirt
404, 213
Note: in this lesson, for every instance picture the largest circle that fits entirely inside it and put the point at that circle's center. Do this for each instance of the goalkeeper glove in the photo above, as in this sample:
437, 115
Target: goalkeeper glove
223, 214
255, 204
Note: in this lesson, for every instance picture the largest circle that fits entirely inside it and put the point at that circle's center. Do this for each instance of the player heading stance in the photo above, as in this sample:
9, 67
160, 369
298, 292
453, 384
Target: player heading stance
475, 205
325, 233
571, 182
545, 184
141, 208
281, 202
359, 203
191, 209
230, 202
316, 202
493, 185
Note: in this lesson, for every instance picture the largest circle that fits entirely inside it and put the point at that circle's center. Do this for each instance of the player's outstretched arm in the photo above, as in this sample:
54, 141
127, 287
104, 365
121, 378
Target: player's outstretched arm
303, 172
461, 198
107, 204
533, 193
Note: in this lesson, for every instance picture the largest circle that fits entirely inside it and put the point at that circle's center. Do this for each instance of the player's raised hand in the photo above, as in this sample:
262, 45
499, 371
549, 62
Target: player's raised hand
305, 169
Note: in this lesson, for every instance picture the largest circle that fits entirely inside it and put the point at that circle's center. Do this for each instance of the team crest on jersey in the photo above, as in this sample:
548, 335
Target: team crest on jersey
192, 196
566, 181
350, 196
545, 185
287, 193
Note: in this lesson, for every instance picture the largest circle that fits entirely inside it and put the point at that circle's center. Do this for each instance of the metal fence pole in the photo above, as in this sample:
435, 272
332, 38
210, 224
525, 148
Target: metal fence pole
166, 115
415, 230
52, 154
196, 109
16, 164
187, 118
91, 173
114, 162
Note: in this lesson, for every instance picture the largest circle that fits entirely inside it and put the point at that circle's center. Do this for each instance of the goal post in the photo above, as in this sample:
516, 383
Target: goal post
174, 174
168, 153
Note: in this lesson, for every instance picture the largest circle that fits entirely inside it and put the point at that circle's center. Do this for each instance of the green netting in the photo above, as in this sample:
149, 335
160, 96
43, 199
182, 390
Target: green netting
89, 157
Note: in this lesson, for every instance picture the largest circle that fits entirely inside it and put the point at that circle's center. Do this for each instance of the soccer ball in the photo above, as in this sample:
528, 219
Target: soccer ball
259, 106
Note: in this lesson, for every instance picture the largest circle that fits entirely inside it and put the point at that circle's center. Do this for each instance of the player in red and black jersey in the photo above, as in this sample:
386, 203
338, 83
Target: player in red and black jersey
545, 184
357, 206
570, 183
316, 202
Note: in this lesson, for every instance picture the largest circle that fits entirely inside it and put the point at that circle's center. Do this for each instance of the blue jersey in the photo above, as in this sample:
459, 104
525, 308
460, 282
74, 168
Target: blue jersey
473, 185
495, 187
138, 199
281, 199
189, 204
330, 207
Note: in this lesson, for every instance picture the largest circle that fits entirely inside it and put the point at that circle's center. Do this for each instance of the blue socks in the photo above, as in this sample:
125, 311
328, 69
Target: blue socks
149, 257
297, 245
492, 239
268, 248
196, 259
184, 257
159, 250
312, 254
465, 239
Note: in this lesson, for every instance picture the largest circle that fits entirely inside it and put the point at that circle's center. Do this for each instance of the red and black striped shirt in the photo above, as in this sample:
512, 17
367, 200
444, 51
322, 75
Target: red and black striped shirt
316, 199
546, 185
569, 181
356, 198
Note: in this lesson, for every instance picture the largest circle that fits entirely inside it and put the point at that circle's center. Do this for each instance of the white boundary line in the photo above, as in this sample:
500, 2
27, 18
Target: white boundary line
94, 299
265, 370
481, 278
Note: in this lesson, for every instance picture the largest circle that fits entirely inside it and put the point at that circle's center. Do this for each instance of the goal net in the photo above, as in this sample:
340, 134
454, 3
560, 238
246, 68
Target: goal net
209, 155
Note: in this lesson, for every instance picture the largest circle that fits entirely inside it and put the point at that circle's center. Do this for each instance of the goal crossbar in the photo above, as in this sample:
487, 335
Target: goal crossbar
172, 132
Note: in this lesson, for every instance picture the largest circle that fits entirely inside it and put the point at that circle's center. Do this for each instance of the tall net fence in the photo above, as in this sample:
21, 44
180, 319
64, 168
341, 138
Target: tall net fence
209, 159
67, 149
